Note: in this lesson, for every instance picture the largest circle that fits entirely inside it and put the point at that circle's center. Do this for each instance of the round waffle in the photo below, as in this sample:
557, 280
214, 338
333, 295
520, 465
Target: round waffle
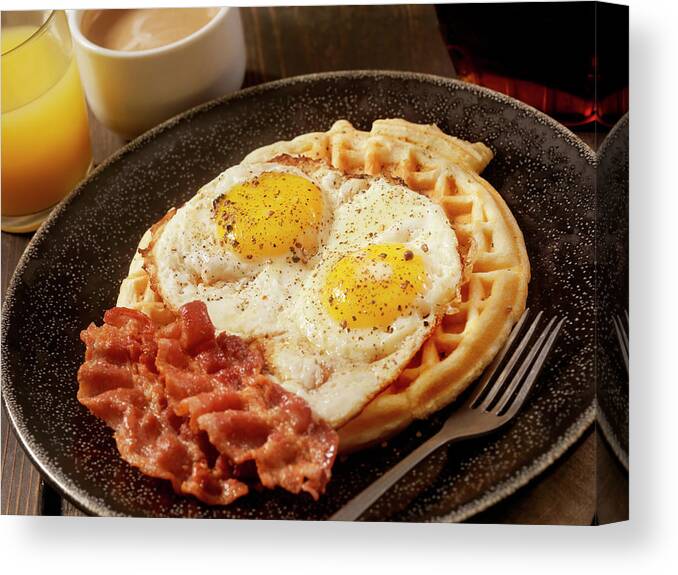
496, 267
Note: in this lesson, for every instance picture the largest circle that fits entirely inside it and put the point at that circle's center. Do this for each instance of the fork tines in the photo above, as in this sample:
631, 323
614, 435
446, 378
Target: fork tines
520, 362
622, 337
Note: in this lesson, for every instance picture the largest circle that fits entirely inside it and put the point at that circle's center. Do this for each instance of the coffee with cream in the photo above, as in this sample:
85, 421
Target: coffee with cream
143, 28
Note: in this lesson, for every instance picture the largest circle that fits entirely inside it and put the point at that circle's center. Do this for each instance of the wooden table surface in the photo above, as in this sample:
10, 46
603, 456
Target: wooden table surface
285, 42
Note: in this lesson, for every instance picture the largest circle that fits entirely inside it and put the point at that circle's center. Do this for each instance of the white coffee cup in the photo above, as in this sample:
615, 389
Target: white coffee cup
130, 92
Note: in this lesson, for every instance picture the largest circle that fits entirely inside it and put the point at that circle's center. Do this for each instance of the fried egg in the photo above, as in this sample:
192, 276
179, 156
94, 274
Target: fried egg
341, 279
385, 277
243, 243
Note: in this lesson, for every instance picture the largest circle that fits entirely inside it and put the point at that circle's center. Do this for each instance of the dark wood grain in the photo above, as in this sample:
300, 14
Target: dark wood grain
612, 484
291, 41
21, 484
565, 492
288, 41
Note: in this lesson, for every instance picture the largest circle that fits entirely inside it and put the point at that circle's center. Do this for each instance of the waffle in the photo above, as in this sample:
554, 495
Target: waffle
496, 267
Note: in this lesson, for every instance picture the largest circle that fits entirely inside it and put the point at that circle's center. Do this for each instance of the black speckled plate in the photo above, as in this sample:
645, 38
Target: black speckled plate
71, 271
613, 287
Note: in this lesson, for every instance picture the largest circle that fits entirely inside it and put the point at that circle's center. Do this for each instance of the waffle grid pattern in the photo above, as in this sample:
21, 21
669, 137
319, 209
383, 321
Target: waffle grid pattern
496, 268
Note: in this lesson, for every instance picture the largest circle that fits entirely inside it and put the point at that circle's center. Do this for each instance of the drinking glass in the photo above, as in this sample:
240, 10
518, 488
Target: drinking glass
45, 137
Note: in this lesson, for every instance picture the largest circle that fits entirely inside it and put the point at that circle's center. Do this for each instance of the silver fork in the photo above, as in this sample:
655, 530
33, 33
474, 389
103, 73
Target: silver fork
622, 337
494, 402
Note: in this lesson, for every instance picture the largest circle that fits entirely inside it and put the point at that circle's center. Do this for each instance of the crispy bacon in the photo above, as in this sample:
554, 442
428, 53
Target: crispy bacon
195, 409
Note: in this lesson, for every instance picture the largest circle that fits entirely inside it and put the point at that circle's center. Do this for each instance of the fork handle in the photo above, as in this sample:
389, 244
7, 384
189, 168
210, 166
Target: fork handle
357, 506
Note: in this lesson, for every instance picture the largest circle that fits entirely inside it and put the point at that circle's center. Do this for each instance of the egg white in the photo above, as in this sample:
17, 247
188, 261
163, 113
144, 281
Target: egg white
243, 297
337, 370
277, 301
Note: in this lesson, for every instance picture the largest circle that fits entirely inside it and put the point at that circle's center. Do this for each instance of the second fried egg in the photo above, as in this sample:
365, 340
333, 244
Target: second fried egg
387, 274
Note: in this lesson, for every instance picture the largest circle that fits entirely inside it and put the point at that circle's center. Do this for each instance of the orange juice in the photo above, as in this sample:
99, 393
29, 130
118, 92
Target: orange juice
45, 137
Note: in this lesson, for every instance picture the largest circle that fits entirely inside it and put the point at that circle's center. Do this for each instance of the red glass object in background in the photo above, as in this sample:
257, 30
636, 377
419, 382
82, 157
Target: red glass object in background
568, 59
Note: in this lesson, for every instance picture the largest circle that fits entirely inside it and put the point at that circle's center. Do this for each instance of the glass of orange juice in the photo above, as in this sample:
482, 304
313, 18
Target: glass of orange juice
45, 137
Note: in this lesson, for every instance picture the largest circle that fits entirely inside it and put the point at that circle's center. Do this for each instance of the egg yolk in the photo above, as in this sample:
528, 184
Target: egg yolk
373, 287
273, 214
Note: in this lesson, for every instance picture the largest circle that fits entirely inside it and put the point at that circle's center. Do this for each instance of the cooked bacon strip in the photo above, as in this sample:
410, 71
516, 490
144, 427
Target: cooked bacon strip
195, 409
